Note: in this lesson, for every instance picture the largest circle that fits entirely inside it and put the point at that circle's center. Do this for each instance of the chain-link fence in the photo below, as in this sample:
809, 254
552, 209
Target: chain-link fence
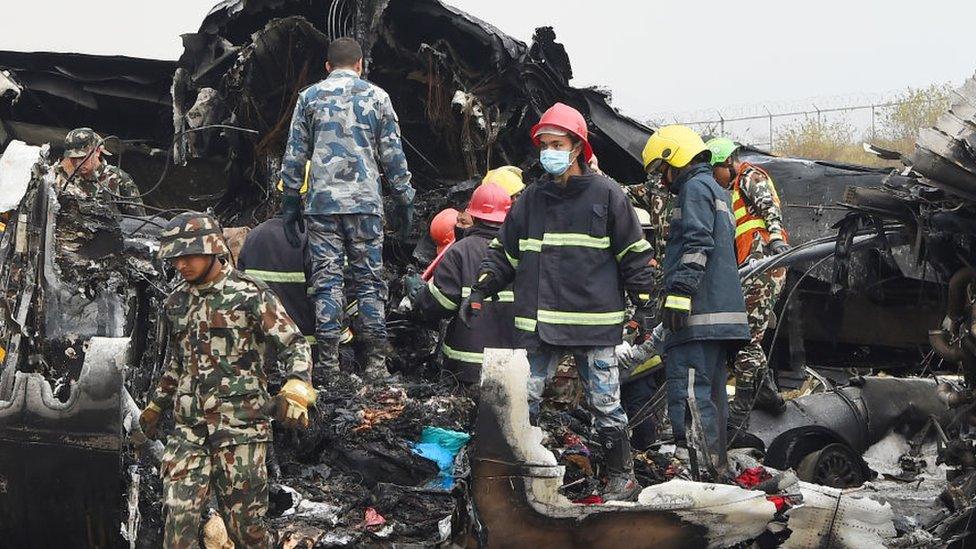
763, 124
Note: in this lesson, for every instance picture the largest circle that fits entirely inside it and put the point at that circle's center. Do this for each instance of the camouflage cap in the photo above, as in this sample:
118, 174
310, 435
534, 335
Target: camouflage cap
192, 233
80, 141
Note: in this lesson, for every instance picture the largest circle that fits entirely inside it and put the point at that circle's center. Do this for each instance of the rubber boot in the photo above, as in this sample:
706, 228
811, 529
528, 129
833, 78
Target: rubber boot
621, 483
768, 398
375, 350
327, 367
740, 407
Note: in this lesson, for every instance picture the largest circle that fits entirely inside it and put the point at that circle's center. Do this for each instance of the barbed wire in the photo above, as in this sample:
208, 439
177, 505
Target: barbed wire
769, 121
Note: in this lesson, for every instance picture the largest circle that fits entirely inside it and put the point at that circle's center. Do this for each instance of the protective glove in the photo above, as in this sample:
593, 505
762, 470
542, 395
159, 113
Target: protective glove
471, 306
778, 247
291, 214
675, 312
149, 420
412, 284
292, 403
644, 313
403, 220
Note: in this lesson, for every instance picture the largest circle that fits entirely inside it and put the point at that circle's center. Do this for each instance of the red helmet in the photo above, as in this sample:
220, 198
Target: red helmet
489, 202
567, 118
442, 228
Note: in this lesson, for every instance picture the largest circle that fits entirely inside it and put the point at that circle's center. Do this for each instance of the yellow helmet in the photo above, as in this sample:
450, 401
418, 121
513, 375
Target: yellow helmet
506, 177
304, 189
674, 144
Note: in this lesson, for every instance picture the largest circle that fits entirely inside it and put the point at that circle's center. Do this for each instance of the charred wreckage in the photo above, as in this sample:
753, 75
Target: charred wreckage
875, 337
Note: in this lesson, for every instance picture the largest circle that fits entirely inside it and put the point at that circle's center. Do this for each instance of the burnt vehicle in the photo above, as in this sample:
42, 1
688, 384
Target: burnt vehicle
80, 296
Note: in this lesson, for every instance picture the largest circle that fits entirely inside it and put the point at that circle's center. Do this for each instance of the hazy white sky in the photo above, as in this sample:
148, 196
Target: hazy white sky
655, 56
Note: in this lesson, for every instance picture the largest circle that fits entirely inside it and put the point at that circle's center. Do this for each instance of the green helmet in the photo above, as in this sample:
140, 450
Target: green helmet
80, 141
722, 148
192, 233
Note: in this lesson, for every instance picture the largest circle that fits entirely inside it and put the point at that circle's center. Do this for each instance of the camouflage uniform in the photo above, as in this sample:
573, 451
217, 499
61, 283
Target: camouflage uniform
107, 182
330, 238
597, 368
654, 197
215, 381
761, 292
348, 129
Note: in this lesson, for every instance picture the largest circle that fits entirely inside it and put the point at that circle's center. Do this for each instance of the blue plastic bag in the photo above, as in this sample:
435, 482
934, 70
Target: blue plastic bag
441, 446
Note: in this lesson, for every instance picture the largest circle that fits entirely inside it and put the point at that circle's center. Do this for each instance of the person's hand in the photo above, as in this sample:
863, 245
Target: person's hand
149, 420
778, 246
412, 284
403, 220
675, 312
644, 313
291, 403
471, 306
291, 214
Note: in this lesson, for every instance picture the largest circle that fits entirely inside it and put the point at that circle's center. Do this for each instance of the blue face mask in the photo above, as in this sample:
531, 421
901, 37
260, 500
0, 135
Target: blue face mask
554, 162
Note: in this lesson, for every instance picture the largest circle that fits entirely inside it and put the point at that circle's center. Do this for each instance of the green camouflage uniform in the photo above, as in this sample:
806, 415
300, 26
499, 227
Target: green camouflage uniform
215, 381
107, 183
654, 197
761, 292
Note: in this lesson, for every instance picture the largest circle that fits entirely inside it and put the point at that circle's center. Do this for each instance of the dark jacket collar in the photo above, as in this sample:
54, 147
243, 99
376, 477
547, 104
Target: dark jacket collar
574, 186
482, 230
686, 173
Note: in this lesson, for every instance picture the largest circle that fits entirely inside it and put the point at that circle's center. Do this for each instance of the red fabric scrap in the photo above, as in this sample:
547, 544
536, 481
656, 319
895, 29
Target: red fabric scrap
779, 501
373, 518
592, 499
752, 477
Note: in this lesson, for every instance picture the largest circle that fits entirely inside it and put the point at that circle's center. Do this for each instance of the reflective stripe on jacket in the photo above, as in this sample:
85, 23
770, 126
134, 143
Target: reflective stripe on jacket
572, 251
699, 259
452, 281
268, 257
747, 223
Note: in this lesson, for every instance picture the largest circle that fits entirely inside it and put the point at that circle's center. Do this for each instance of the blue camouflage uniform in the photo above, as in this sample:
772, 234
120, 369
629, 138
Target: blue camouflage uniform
699, 261
348, 129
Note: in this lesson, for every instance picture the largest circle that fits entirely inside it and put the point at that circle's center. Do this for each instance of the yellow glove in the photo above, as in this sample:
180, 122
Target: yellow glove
149, 420
293, 401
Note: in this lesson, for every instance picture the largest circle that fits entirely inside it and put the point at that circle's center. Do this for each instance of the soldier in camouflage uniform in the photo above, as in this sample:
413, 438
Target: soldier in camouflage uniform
223, 325
94, 177
759, 232
348, 129
654, 198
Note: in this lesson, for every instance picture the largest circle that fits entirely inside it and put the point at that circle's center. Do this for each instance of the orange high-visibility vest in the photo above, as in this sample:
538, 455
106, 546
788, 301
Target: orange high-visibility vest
747, 224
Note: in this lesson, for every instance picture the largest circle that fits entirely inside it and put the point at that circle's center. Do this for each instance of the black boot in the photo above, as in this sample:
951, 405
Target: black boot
327, 366
741, 406
621, 483
376, 350
768, 398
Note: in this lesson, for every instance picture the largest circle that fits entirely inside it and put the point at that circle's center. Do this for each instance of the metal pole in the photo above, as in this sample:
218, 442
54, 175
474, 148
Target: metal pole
873, 135
770, 127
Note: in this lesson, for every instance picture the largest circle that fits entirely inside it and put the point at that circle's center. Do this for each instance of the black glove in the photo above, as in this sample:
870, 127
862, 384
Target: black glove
291, 214
644, 314
675, 312
471, 306
403, 220
412, 284
778, 247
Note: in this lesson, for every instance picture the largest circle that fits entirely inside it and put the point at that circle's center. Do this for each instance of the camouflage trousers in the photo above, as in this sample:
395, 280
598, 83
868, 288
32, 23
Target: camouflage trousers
236, 475
597, 367
761, 294
332, 239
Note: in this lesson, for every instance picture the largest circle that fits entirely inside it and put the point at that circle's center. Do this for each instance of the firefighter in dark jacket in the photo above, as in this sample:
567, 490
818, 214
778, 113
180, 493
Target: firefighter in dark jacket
572, 244
266, 256
703, 306
452, 281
